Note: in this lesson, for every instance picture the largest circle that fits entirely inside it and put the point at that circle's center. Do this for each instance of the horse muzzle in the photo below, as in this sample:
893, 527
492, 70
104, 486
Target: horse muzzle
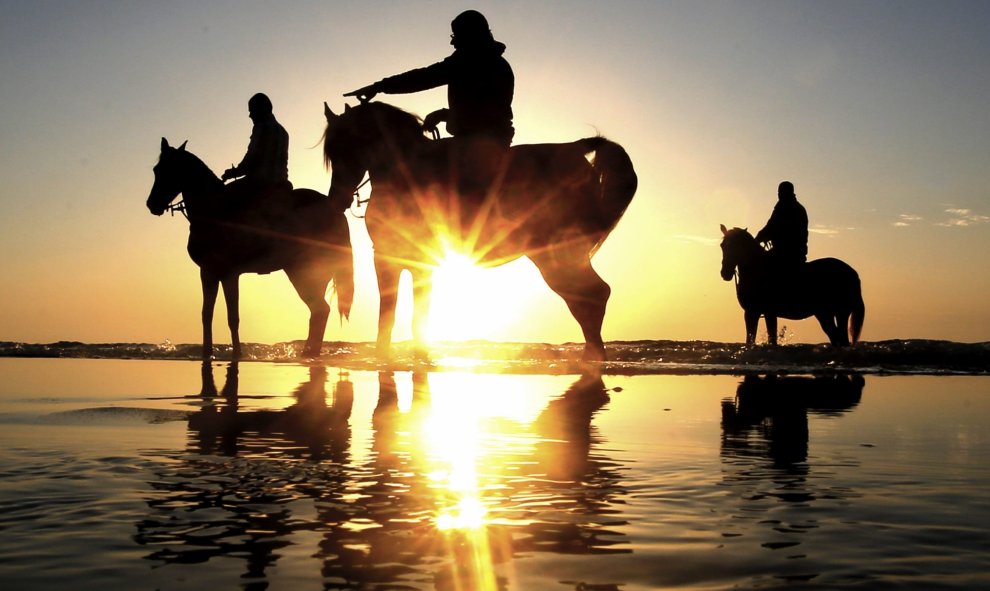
727, 273
156, 209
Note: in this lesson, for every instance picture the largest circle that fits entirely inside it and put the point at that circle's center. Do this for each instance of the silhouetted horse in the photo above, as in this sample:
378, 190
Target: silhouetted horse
299, 232
827, 289
548, 203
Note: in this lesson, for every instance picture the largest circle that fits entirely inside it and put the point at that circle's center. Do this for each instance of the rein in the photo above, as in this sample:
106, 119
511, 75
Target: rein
358, 202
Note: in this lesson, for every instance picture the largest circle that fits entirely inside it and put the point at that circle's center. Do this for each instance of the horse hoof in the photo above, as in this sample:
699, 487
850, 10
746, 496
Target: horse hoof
593, 354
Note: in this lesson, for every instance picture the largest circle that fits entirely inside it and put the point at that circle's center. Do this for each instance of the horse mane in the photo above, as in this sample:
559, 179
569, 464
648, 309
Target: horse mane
389, 119
200, 166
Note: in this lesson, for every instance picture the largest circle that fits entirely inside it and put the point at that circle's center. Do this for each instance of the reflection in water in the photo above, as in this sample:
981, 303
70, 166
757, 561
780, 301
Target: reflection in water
448, 493
765, 454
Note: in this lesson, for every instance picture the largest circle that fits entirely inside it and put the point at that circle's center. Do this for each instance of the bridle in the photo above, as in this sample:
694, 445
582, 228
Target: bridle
358, 201
179, 206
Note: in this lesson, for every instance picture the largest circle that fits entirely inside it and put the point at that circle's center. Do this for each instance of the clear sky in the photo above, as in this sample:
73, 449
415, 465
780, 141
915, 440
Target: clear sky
876, 110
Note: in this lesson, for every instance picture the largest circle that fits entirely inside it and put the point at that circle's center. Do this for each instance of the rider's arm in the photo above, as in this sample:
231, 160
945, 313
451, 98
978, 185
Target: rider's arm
415, 80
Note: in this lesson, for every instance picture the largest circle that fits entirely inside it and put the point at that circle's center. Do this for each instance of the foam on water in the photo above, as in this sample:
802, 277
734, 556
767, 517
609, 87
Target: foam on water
933, 357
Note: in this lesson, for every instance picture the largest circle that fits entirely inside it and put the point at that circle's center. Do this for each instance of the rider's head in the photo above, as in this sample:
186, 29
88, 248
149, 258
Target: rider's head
785, 190
470, 28
259, 106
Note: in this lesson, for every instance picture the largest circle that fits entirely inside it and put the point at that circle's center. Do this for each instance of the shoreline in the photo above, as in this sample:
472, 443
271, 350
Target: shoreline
643, 357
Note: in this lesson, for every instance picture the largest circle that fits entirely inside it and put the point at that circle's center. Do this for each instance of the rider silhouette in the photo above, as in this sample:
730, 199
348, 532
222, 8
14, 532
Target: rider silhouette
787, 230
480, 85
265, 166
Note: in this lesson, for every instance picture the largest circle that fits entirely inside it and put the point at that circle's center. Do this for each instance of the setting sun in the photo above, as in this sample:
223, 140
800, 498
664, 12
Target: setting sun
462, 293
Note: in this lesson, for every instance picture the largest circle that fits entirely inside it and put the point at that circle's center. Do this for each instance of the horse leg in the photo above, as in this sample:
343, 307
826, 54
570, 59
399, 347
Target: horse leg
586, 295
842, 327
422, 282
827, 321
388, 292
752, 320
211, 286
231, 296
311, 285
771, 322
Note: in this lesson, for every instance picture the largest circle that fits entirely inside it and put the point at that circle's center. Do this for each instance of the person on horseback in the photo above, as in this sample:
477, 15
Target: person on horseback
480, 85
264, 170
786, 232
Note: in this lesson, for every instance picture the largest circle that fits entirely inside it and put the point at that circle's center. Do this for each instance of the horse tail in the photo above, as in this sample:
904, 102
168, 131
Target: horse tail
343, 270
858, 313
617, 180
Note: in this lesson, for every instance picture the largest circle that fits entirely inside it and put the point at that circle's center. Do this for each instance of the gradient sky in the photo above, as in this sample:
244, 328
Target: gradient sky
876, 110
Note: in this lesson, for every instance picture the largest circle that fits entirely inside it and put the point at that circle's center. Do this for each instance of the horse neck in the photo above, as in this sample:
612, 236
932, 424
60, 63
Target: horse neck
399, 138
752, 258
199, 185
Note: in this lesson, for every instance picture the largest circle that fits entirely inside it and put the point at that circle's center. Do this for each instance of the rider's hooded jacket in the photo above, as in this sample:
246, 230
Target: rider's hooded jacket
480, 84
267, 157
787, 230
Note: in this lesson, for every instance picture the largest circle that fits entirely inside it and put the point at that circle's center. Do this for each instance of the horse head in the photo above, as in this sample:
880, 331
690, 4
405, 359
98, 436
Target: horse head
367, 137
345, 152
167, 184
177, 171
738, 246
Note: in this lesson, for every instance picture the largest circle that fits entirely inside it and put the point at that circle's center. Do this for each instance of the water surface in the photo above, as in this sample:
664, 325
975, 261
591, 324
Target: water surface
153, 474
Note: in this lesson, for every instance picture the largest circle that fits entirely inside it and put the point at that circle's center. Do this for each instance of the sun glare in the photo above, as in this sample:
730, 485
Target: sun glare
462, 293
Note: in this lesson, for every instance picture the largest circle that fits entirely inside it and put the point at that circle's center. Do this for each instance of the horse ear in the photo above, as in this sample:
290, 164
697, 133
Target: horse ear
346, 107
724, 231
182, 148
327, 112
164, 144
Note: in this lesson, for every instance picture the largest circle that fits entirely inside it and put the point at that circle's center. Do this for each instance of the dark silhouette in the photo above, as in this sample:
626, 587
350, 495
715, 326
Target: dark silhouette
552, 206
480, 85
777, 408
252, 480
192, 520
827, 289
310, 428
767, 466
265, 167
304, 234
786, 232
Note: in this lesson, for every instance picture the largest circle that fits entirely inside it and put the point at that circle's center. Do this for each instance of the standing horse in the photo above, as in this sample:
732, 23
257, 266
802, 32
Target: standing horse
549, 203
299, 232
827, 289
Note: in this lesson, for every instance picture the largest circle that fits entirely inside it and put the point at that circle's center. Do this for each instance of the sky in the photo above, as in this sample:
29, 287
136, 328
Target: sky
875, 110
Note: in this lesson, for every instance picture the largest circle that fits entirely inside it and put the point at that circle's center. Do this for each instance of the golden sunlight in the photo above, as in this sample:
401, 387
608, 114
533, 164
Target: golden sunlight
462, 293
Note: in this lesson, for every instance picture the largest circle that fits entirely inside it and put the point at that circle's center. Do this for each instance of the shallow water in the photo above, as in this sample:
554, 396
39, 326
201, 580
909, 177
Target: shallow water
151, 474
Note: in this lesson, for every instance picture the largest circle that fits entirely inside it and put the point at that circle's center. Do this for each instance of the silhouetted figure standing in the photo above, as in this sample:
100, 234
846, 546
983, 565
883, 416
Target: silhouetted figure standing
265, 166
787, 230
480, 85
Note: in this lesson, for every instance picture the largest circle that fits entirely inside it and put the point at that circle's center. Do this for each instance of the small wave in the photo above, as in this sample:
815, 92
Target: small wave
909, 356
115, 414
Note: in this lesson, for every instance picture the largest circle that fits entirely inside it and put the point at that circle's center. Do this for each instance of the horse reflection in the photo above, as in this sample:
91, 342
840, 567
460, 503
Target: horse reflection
223, 497
322, 430
247, 486
585, 485
777, 409
765, 454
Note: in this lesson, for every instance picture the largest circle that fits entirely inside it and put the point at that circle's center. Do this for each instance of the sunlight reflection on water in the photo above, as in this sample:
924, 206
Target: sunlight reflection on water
310, 477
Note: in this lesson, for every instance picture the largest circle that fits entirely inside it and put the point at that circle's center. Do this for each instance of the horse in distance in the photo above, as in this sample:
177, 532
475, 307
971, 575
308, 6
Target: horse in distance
828, 289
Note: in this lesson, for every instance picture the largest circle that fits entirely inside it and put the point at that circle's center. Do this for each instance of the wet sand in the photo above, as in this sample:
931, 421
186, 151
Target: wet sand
136, 474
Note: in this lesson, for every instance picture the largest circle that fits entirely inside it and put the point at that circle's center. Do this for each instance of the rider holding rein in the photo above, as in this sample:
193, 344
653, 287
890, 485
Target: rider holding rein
787, 229
265, 166
480, 85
